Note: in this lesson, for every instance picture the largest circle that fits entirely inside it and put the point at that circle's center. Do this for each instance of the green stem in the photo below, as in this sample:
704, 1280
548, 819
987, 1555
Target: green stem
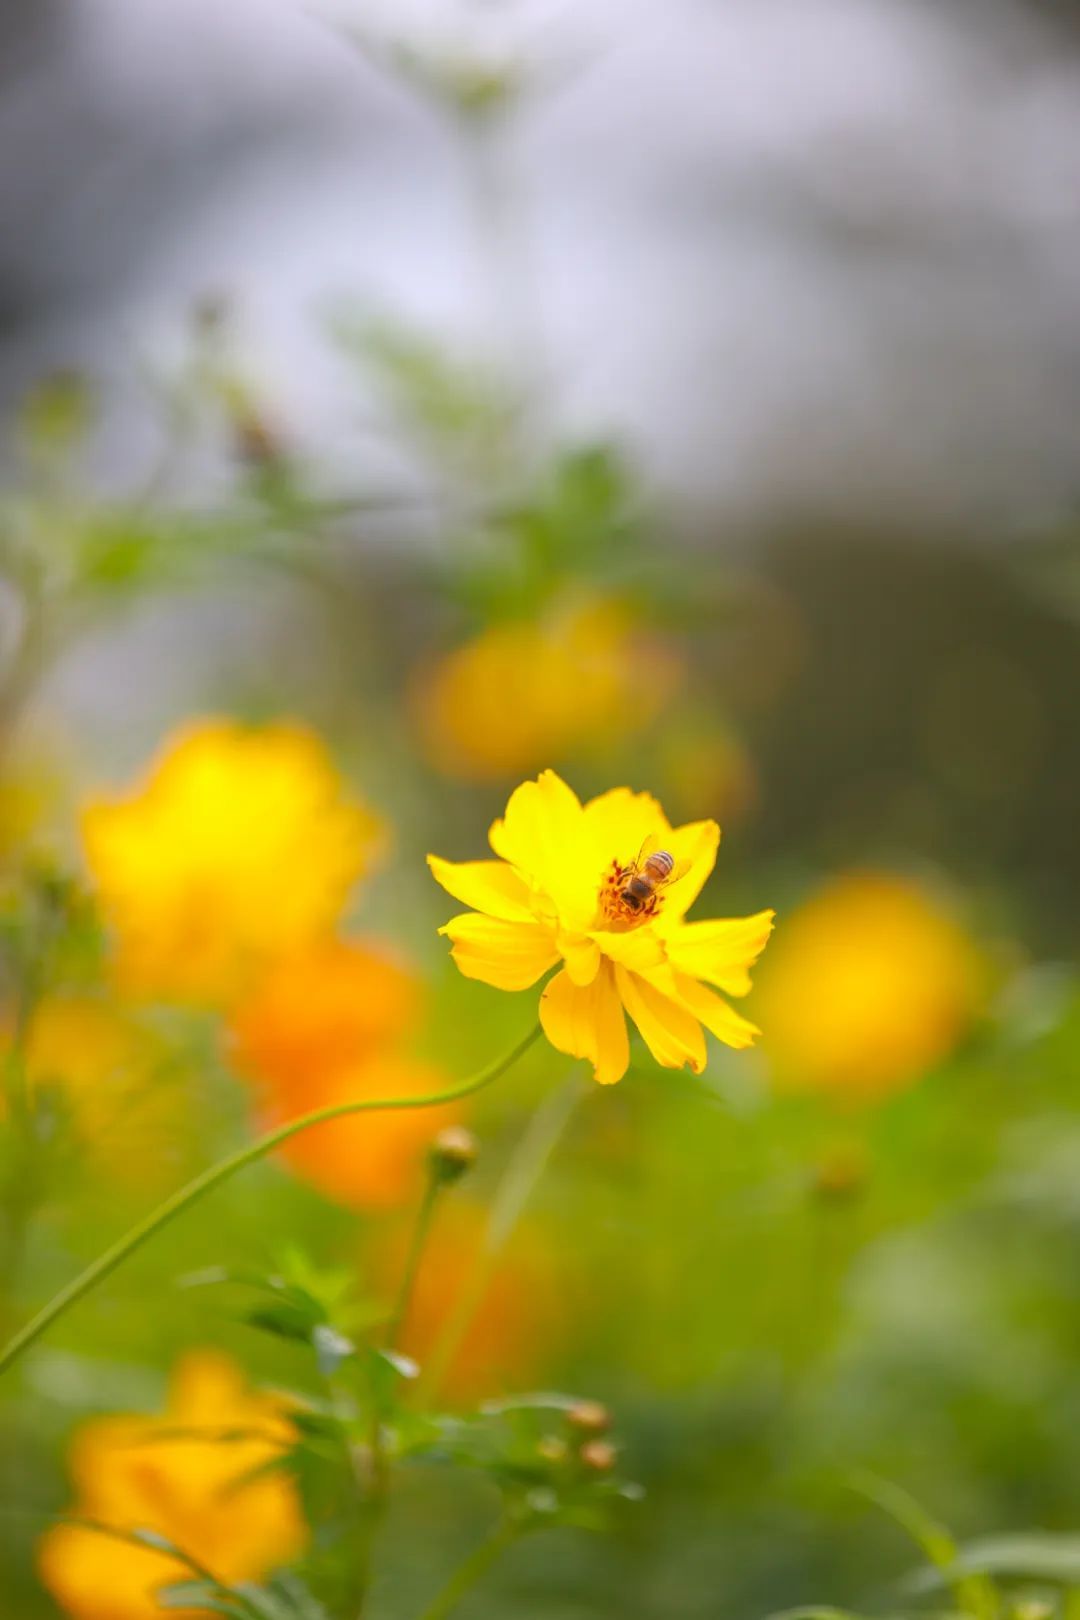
527, 1164
417, 1244
472, 1570
222, 1171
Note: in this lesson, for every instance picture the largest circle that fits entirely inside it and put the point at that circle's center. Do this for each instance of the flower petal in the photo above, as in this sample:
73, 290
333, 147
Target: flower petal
581, 954
636, 948
719, 1019
618, 823
672, 1034
697, 843
540, 835
506, 955
722, 951
488, 886
586, 1021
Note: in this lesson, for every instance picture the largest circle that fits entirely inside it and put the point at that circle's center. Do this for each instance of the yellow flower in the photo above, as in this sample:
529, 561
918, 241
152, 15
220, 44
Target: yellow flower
106, 1071
329, 1025
238, 847
556, 895
527, 691
871, 984
196, 1475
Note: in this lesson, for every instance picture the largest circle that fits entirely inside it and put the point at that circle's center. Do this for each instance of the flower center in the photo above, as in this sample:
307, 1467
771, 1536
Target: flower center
627, 897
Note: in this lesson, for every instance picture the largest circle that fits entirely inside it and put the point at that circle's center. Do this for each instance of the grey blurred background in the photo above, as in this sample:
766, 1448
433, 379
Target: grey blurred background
807, 256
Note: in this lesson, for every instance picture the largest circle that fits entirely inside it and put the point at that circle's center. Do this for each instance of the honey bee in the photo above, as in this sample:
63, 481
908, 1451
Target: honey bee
655, 869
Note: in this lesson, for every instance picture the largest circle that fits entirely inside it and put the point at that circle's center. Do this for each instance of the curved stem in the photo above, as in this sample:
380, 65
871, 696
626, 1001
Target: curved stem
467, 1574
222, 1171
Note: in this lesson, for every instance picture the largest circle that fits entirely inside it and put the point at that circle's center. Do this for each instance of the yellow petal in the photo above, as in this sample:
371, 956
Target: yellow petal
618, 823
721, 952
697, 843
672, 1034
719, 1019
636, 948
488, 886
581, 954
540, 835
506, 955
586, 1021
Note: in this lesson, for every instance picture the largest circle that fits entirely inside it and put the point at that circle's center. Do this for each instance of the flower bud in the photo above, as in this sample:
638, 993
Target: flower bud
598, 1456
589, 1417
452, 1153
552, 1449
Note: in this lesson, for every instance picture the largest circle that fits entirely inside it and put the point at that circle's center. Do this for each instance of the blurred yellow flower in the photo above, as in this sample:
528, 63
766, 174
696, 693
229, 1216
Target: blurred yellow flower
519, 1317
526, 691
106, 1071
192, 1476
871, 984
328, 1025
238, 847
558, 894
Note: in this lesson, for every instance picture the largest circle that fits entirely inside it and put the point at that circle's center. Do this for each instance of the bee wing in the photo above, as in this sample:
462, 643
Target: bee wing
679, 870
654, 842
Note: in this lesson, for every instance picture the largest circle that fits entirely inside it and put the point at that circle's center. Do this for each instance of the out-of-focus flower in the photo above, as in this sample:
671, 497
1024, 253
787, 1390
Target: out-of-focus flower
107, 1073
704, 761
516, 1324
582, 677
327, 1026
559, 893
197, 1475
871, 983
238, 847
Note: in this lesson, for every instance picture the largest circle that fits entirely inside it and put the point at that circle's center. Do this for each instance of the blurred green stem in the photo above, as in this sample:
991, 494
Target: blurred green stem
202, 1184
417, 1244
526, 1166
472, 1570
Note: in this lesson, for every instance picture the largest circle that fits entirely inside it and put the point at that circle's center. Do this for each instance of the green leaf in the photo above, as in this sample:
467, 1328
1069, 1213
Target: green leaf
1031, 1555
331, 1348
200, 1595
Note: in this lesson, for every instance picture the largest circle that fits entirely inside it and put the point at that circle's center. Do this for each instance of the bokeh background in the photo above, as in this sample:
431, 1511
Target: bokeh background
683, 396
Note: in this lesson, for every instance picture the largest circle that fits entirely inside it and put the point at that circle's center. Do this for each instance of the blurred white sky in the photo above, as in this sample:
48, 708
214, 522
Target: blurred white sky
815, 256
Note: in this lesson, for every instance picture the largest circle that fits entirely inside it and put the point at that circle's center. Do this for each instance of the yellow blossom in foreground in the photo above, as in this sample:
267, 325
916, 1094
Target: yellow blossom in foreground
555, 895
330, 1025
108, 1075
238, 847
530, 690
871, 984
192, 1475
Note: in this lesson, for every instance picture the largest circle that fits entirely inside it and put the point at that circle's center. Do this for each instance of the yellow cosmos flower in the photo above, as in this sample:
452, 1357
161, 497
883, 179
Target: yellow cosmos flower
238, 847
197, 1474
556, 894
531, 690
872, 983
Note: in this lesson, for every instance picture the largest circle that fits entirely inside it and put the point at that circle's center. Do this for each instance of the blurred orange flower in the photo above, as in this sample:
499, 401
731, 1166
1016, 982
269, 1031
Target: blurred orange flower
517, 1323
871, 983
528, 691
237, 847
191, 1475
558, 895
328, 1025
106, 1071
